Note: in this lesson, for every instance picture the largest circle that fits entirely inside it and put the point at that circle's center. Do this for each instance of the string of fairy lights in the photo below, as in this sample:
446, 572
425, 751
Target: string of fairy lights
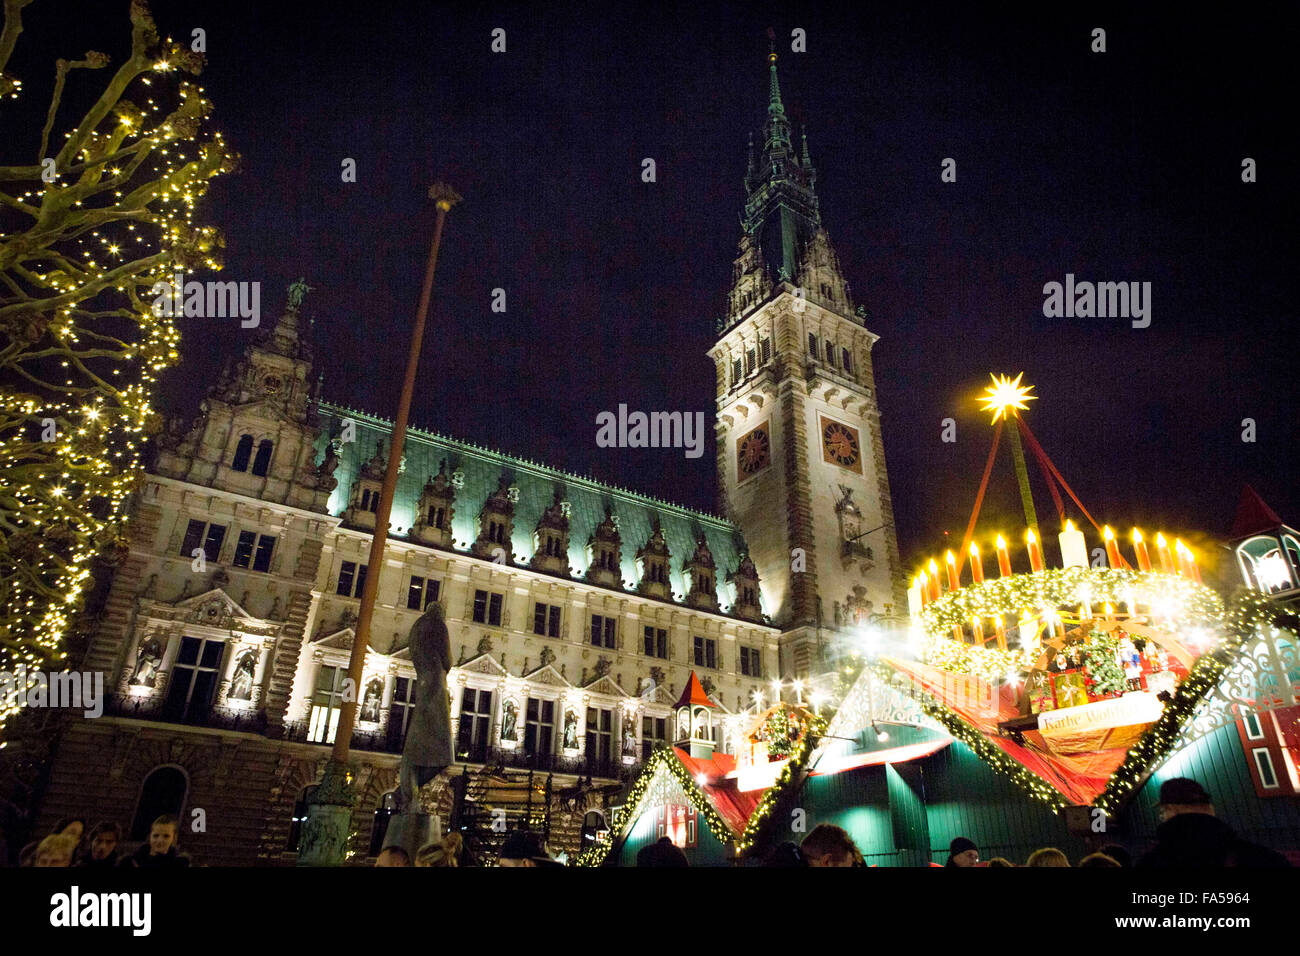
87, 343
664, 761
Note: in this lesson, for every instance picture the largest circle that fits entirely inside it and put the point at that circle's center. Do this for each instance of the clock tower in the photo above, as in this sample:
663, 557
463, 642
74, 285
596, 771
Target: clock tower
801, 464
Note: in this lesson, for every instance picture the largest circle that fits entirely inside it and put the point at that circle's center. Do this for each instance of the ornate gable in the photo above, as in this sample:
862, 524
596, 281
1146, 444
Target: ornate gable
214, 608
483, 664
547, 675
605, 685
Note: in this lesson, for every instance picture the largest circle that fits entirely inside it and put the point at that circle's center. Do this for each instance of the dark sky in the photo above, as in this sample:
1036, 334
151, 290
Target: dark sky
1115, 166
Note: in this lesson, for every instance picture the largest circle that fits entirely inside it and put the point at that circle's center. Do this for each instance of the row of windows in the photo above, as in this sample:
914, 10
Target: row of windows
754, 358
252, 550
547, 620
832, 354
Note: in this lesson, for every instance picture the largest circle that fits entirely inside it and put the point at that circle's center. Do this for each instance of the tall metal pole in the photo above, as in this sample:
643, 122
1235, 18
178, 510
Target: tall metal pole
324, 842
1022, 476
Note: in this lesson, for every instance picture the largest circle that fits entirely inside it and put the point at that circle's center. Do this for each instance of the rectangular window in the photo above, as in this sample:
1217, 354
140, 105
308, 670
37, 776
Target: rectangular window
487, 608
1253, 729
736, 373
437, 517
812, 345
654, 733
421, 593
347, 576
325, 704
750, 662
244, 548
603, 633
764, 351
600, 734
209, 535
193, 685
706, 652
399, 711
265, 546
475, 720
750, 359
655, 642
848, 363
539, 726
830, 353
546, 619
352, 577
1264, 764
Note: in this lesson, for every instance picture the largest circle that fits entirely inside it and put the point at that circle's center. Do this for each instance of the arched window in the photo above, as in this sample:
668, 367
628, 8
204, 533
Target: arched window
163, 792
263, 460
299, 817
242, 453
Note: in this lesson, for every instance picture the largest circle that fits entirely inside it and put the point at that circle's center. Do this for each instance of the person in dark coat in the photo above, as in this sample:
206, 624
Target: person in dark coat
428, 735
1192, 836
663, 852
963, 852
159, 851
103, 847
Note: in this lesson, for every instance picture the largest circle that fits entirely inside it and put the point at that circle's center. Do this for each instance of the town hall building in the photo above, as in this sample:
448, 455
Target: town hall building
578, 611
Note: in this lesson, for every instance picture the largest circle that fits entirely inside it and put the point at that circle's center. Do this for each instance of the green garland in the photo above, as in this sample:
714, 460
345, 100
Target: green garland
755, 826
663, 758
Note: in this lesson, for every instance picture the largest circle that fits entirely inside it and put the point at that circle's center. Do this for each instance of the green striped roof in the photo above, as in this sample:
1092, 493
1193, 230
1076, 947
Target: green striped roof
537, 483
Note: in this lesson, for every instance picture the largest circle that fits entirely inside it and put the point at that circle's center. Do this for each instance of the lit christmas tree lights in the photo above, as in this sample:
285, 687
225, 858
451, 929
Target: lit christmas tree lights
87, 234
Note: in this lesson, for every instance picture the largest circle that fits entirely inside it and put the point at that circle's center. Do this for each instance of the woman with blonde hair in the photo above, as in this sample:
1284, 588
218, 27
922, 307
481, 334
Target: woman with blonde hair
447, 852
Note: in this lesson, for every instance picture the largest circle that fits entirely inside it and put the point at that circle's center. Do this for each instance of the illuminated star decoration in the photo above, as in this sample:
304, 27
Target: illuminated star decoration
1004, 396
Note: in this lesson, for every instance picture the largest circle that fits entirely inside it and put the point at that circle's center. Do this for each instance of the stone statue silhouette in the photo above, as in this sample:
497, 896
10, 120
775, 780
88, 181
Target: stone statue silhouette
428, 735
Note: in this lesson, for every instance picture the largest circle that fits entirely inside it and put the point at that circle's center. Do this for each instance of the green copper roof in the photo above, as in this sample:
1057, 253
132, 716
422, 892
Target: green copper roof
537, 483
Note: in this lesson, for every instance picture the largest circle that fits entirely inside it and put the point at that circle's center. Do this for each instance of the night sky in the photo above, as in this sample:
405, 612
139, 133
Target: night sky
1120, 166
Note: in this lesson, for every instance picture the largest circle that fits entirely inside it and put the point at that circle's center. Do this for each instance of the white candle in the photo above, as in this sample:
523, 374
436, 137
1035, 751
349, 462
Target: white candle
1074, 549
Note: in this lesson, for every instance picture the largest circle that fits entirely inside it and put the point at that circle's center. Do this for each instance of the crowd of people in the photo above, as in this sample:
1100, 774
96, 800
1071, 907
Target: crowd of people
1189, 835
68, 844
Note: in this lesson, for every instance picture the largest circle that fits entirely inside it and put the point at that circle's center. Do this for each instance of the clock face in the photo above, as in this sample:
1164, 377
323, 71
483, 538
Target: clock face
753, 451
840, 445
270, 385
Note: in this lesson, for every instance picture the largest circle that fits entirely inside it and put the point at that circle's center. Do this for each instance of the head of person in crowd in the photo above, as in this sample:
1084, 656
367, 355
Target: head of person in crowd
829, 845
1000, 861
524, 848
445, 852
1098, 859
1183, 795
393, 856
1048, 856
56, 849
963, 852
1117, 853
103, 844
163, 835
784, 854
74, 827
663, 852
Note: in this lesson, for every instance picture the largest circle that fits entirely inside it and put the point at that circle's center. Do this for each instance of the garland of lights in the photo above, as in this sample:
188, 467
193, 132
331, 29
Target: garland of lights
88, 235
1246, 614
755, 826
1176, 601
663, 758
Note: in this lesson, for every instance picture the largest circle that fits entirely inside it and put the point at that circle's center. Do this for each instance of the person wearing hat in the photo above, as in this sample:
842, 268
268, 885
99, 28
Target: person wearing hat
963, 852
1190, 835
524, 848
